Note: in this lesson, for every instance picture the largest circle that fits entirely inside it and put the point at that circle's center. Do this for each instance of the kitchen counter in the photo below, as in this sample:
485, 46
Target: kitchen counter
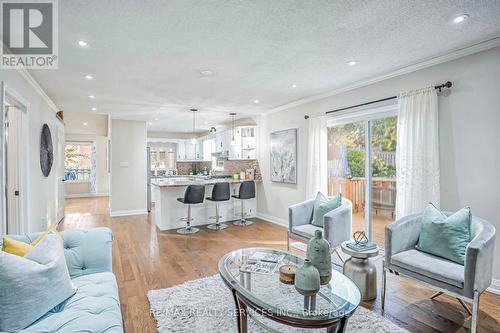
186, 180
168, 211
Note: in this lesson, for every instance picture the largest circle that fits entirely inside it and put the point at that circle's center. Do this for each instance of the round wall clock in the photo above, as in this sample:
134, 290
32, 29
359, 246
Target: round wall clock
46, 151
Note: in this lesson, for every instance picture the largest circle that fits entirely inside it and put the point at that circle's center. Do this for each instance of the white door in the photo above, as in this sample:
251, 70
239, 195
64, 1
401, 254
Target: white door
60, 171
14, 153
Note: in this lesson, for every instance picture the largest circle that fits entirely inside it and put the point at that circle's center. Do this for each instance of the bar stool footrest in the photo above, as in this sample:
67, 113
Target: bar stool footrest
215, 226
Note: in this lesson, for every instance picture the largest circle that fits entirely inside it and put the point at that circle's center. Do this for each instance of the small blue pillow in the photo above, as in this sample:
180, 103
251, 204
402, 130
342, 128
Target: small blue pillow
322, 206
445, 236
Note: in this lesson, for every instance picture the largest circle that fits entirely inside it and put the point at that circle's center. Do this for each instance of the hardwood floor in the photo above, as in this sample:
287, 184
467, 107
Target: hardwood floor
145, 258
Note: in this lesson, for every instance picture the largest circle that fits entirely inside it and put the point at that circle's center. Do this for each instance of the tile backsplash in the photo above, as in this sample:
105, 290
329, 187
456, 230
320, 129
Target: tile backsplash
230, 167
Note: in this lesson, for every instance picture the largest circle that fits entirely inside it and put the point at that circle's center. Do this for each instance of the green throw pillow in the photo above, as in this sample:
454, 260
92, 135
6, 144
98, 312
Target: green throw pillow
445, 236
322, 206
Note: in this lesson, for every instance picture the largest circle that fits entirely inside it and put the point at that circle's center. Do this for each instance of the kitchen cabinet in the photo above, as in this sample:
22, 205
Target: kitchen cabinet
199, 149
245, 147
181, 150
235, 150
187, 151
190, 150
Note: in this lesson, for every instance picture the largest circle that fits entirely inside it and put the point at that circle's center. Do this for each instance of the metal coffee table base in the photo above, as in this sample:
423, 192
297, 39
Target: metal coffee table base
364, 274
242, 310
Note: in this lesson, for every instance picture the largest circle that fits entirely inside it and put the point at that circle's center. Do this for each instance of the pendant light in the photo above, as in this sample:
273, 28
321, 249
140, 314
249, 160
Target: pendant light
193, 140
233, 141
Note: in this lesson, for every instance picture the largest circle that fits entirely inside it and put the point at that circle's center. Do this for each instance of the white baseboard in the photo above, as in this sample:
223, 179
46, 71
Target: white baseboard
272, 219
86, 195
495, 287
129, 212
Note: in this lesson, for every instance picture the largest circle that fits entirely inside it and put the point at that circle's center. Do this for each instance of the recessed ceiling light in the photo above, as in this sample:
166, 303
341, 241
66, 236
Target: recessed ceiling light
206, 72
460, 18
94, 109
82, 43
91, 96
352, 63
84, 124
157, 119
150, 123
294, 86
89, 77
256, 101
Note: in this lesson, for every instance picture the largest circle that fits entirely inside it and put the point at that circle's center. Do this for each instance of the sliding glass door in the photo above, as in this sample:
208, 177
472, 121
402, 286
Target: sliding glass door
370, 187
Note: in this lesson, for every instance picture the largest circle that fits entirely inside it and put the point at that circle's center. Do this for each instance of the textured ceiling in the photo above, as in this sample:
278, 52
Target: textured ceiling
146, 56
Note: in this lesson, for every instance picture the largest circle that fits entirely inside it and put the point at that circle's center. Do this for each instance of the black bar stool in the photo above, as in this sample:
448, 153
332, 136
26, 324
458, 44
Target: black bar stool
247, 191
194, 194
220, 192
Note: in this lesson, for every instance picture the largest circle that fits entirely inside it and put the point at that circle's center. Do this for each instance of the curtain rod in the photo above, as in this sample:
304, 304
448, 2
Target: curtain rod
440, 87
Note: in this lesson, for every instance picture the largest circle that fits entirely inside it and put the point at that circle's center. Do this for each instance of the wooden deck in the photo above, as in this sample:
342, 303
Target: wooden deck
378, 226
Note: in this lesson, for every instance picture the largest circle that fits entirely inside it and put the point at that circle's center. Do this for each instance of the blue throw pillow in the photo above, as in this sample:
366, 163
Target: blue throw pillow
322, 206
445, 236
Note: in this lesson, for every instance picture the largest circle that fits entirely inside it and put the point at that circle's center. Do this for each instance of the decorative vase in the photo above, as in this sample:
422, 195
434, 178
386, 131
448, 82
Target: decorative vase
318, 252
307, 279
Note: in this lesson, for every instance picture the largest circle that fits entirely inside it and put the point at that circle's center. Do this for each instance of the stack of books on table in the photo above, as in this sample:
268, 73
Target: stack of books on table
360, 247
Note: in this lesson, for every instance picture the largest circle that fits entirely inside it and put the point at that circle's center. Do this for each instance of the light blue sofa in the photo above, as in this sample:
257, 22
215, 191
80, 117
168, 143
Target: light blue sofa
96, 305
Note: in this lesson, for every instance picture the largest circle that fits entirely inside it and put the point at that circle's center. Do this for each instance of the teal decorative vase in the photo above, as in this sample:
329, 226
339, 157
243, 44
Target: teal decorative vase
318, 252
307, 279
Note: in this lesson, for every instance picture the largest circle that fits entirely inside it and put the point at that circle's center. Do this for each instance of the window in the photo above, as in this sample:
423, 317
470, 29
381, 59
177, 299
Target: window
353, 139
78, 161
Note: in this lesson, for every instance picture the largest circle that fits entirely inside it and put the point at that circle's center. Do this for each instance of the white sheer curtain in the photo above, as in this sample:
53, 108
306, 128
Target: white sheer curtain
317, 157
417, 151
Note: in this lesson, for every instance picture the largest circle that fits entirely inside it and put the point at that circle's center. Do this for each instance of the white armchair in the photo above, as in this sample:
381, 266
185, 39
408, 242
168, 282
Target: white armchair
337, 223
465, 282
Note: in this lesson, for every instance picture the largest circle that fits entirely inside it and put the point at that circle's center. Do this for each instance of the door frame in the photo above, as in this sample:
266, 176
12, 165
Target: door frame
366, 114
8, 93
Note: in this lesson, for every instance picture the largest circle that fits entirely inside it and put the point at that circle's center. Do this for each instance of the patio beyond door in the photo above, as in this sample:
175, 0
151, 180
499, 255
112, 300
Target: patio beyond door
370, 187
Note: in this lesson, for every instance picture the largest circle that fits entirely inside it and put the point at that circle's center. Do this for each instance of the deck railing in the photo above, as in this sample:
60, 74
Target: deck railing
383, 192
77, 174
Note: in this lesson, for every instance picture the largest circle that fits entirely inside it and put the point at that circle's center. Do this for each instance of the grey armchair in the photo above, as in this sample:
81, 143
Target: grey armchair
465, 282
337, 223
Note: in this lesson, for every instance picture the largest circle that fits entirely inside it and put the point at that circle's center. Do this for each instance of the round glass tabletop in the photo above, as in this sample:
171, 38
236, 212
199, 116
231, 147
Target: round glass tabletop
254, 274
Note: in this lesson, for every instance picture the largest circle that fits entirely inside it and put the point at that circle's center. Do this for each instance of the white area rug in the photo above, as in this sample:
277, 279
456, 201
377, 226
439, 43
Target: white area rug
206, 305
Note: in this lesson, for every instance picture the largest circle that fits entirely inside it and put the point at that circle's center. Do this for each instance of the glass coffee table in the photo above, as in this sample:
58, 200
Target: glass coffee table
262, 295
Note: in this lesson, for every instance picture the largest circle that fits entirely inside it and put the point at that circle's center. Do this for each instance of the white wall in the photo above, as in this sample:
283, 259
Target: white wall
42, 191
469, 123
128, 167
95, 131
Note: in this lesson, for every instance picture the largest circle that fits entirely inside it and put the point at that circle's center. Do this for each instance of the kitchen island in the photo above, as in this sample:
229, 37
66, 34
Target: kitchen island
168, 211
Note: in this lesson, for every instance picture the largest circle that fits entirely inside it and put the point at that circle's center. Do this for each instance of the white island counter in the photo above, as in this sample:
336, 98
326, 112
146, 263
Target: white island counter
168, 211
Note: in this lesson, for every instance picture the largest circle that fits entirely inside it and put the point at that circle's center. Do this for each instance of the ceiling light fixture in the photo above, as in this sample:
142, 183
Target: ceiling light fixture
233, 141
94, 109
352, 63
193, 140
460, 18
294, 86
157, 119
91, 96
82, 43
150, 123
256, 101
89, 77
206, 72
84, 124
